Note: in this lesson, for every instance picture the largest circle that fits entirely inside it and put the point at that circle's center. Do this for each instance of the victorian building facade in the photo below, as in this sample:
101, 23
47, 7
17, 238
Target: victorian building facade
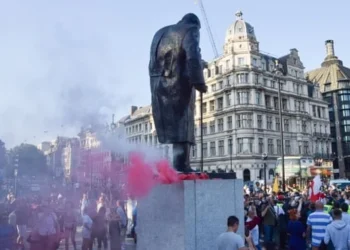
138, 129
241, 109
334, 80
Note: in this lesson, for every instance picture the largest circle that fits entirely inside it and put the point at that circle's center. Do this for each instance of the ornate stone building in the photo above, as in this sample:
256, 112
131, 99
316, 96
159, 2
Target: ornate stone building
334, 80
241, 108
139, 129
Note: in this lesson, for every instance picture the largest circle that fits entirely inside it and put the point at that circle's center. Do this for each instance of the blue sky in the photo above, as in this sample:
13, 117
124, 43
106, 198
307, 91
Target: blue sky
64, 63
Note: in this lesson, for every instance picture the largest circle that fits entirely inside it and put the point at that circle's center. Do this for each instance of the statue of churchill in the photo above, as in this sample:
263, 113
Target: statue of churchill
176, 71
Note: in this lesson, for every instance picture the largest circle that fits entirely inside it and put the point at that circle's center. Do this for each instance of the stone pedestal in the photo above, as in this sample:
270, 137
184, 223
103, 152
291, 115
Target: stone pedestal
189, 215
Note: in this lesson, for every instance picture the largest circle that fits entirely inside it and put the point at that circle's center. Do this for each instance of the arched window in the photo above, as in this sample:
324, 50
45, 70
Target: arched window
261, 174
271, 174
246, 175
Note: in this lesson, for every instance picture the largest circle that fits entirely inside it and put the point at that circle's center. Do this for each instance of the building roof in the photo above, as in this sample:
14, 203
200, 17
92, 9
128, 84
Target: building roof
331, 72
137, 113
123, 119
239, 28
142, 111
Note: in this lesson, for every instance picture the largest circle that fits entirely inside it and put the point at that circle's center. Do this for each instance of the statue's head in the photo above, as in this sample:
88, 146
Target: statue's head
191, 18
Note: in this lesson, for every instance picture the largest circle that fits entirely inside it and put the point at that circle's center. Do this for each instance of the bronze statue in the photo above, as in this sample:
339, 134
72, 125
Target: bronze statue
175, 71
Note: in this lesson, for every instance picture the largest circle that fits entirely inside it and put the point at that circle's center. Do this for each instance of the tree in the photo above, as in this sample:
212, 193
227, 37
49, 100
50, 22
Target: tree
29, 160
3, 157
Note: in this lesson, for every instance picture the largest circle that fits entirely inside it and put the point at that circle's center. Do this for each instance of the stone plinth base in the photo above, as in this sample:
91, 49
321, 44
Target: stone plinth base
188, 215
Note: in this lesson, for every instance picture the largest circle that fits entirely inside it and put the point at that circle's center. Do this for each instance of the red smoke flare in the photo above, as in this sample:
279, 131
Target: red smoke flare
140, 177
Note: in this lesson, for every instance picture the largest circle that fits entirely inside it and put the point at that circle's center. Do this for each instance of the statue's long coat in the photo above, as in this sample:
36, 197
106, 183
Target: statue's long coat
175, 68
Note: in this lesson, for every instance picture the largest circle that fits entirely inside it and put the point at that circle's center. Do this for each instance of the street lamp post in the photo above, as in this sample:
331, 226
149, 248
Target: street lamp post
16, 173
230, 145
264, 158
279, 73
90, 163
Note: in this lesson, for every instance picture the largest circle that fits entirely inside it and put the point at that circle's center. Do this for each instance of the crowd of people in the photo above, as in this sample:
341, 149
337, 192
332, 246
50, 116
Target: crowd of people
291, 220
38, 223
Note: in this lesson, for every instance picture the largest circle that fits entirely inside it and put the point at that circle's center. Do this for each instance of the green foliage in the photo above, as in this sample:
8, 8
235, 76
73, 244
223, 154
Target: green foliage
29, 160
3, 156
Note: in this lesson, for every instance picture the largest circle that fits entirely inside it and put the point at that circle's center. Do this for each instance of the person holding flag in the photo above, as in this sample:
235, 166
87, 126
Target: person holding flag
314, 189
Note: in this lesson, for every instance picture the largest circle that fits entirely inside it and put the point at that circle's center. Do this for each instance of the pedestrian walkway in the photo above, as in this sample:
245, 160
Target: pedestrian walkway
129, 244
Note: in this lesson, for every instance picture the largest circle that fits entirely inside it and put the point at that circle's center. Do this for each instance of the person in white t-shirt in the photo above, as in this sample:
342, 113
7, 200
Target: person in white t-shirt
86, 231
230, 240
255, 231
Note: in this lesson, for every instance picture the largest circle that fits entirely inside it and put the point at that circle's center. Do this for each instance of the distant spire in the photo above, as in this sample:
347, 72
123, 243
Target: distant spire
239, 15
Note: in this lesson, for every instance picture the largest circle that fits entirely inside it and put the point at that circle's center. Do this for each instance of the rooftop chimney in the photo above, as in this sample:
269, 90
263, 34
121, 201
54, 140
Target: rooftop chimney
133, 109
330, 48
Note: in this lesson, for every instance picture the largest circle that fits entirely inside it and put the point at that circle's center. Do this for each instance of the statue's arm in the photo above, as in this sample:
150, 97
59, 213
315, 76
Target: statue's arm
194, 58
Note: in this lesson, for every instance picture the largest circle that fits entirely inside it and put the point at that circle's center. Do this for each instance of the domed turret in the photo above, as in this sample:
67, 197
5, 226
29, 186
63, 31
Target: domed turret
240, 30
240, 37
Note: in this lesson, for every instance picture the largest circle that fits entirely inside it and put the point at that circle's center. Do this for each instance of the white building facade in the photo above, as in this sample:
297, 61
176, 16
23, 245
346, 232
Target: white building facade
241, 108
139, 129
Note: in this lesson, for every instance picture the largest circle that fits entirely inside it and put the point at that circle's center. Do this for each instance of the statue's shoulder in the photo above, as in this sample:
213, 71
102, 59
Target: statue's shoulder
162, 31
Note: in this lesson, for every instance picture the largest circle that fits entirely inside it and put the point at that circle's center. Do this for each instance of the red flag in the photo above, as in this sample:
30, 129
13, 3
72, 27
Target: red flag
314, 190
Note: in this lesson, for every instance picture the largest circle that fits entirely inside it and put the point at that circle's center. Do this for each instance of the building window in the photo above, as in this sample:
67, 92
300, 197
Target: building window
269, 122
273, 84
261, 146
268, 101
278, 124
204, 107
209, 73
265, 82
284, 104
242, 78
146, 127
213, 87
212, 148
286, 125
221, 124
245, 145
212, 127
244, 120
220, 69
303, 126
275, 103
212, 105
306, 147
221, 147
227, 65
229, 122
220, 103
205, 149
205, 128
246, 175
258, 97
243, 97
194, 151
279, 146
255, 62
241, 61
260, 121
270, 146
287, 147
228, 99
